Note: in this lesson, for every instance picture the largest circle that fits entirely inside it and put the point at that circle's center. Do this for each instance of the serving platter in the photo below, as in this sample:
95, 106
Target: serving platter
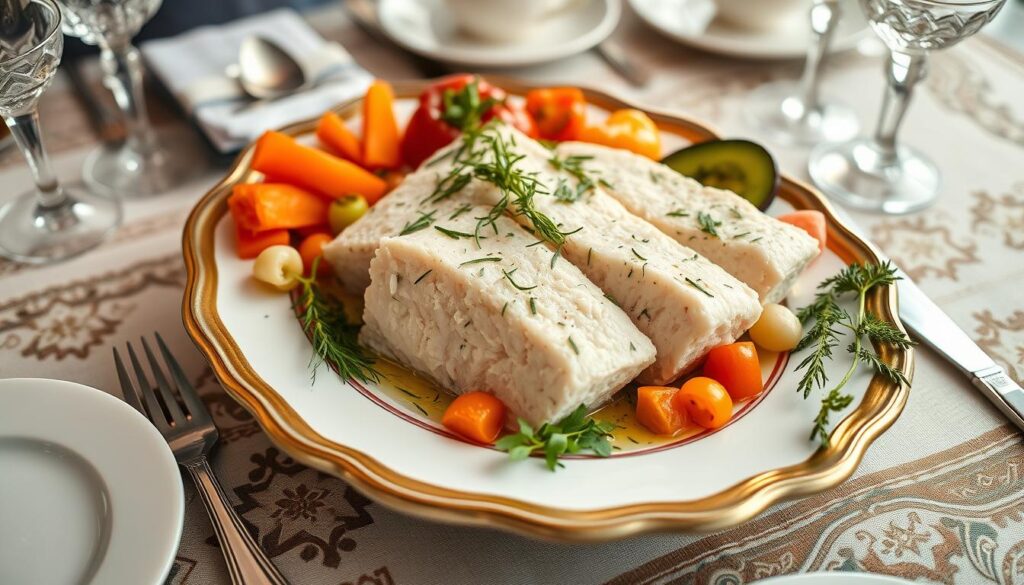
385, 439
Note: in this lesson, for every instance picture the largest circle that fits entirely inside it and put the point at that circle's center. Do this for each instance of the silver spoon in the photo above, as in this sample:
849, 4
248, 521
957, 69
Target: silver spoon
266, 72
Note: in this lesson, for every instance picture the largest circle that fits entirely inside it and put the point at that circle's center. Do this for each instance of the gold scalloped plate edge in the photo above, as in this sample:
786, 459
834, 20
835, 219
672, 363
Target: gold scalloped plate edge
829, 466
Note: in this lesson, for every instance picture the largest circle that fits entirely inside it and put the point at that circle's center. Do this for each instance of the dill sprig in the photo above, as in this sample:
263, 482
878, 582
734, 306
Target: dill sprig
420, 223
508, 275
823, 337
572, 434
334, 339
708, 224
572, 165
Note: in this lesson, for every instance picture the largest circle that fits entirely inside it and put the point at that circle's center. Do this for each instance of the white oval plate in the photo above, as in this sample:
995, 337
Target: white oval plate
378, 439
670, 18
427, 28
89, 492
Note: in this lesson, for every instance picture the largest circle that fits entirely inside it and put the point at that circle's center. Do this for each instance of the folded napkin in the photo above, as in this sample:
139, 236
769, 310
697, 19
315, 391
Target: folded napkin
194, 67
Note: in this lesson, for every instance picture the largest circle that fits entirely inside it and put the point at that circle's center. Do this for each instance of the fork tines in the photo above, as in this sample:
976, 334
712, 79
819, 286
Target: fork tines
171, 400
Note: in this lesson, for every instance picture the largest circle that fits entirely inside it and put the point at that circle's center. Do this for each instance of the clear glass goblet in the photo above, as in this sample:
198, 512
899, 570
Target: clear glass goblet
52, 222
876, 173
151, 160
792, 112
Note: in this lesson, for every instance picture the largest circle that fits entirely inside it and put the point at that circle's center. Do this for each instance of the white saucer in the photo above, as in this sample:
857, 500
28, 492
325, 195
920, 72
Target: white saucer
671, 18
89, 492
426, 27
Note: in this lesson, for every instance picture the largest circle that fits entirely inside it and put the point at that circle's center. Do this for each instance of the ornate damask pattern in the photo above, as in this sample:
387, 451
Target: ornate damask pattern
1001, 216
963, 87
924, 246
939, 519
1003, 339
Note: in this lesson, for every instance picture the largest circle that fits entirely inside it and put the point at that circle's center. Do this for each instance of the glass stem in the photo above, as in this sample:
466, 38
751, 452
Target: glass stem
122, 68
905, 70
824, 16
25, 129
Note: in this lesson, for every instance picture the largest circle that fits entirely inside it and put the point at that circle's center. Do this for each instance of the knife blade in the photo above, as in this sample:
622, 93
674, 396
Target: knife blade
932, 326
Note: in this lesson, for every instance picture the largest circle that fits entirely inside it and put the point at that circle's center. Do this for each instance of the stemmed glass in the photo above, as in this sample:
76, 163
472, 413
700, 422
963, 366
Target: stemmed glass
150, 161
875, 173
53, 221
792, 112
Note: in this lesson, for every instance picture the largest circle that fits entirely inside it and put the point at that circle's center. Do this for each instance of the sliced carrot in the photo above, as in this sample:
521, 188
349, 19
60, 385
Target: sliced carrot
271, 206
334, 133
812, 222
477, 416
380, 130
279, 156
736, 367
654, 410
312, 247
249, 244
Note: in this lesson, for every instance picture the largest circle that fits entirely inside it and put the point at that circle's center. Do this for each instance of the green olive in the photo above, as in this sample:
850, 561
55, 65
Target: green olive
345, 211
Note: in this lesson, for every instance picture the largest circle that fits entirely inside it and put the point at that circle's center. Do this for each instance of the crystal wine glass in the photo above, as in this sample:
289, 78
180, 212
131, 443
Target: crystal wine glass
875, 173
150, 161
52, 222
792, 112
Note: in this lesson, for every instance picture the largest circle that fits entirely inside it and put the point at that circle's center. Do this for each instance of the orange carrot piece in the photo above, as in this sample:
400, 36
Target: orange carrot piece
305, 232
477, 416
380, 130
249, 244
655, 410
811, 221
260, 207
279, 156
334, 133
312, 247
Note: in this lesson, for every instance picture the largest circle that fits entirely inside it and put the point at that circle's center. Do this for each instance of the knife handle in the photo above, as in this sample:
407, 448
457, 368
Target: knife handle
1002, 391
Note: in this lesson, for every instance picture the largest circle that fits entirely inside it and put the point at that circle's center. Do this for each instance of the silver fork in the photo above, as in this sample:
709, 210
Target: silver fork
179, 415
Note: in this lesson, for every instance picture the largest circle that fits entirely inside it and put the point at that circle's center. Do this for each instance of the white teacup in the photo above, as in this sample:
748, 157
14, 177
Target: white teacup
502, 20
763, 15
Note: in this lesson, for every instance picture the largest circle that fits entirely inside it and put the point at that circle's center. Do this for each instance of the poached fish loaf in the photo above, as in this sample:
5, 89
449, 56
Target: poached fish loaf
759, 250
685, 304
499, 317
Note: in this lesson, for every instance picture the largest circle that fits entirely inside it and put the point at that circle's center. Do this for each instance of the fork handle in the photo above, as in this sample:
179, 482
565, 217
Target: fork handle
246, 562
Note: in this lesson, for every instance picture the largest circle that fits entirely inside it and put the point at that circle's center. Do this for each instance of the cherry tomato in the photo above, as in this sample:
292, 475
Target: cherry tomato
310, 248
705, 401
737, 367
628, 129
654, 410
560, 112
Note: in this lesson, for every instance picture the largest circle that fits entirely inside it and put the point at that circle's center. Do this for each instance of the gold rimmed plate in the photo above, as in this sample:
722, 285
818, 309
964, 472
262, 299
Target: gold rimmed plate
385, 438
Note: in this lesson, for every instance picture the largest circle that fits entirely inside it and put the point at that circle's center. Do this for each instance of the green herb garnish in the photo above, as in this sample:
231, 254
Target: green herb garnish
635, 253
422, 276
479, 260
518, 286
453, 234
678, 213
694, 284
422, 222
708, 224
572, 434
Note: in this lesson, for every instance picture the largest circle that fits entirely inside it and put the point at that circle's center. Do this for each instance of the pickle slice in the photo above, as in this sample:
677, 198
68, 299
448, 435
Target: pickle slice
741, 166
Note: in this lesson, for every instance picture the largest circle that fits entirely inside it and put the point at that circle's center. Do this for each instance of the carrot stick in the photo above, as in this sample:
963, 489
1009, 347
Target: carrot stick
380, 131
250, 244
278, 155
333, 132
260, 207
477, 416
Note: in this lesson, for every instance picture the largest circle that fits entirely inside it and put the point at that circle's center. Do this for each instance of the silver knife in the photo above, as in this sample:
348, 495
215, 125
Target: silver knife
935, 328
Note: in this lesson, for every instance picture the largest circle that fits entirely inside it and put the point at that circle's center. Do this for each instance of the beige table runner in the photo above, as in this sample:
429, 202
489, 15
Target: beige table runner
938, 497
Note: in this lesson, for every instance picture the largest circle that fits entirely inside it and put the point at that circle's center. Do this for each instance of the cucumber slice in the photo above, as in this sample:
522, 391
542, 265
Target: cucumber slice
741, 166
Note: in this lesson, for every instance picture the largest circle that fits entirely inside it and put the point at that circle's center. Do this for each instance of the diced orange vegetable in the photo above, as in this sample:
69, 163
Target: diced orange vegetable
334, 133
737, 367
311, 248
273, 206
249, 244
654, 410
305, 232
560, 112
477, 416
705, 401
628, 129
812, 222
380, 130
279, 156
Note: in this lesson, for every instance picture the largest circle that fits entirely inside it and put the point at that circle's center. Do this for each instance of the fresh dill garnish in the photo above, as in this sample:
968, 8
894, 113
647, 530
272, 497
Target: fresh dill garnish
756, 239
449, 185
422, 222
678, 213
419, 408
694, 284
407, 393
479, 260
574, 433
453, 234
533, 306
508, 275
463, 108
631, 346
573, 165
637, 254
462, 209
572, 344
422, 276
605, 184
708, 224
744, 234
334, 339
823, 337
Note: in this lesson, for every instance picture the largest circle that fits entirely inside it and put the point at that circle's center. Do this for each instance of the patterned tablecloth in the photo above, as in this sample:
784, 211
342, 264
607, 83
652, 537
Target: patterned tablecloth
937, 498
